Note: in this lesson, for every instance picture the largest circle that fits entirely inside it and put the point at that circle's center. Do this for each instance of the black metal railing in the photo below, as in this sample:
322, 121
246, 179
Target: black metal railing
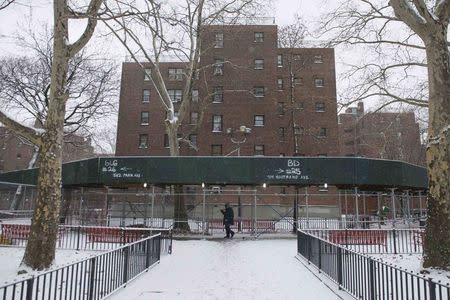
374, 241
92, 278
364, 277
85, 237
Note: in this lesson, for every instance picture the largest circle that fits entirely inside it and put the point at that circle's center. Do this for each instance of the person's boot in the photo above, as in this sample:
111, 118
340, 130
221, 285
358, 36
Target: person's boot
232, 234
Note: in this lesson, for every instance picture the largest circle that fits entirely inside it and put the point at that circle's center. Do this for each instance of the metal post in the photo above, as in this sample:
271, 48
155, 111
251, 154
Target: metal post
365, 218
420, 204
340, 203
295, 225
256, 218
146, 200
204, 213
393, 207
357, 207
379, 209
80, 218
122, 218
339, 266
91, 278
307, 207
239, 210
346, 208
152, 208
29, 292
408, 207
372, 277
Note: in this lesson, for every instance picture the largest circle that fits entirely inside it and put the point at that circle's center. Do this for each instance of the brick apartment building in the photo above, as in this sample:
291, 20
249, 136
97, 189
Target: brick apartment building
283, 99
16, 153
286, 98
387, 135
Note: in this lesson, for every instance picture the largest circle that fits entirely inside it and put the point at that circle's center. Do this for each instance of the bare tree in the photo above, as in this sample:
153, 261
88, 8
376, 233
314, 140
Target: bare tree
415, 32
40, 250
159, 29
430, 20
92, 84
292, 35
5, 3
392, 65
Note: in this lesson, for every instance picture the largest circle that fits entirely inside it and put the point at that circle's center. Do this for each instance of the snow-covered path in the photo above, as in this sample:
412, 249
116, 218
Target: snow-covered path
231, 269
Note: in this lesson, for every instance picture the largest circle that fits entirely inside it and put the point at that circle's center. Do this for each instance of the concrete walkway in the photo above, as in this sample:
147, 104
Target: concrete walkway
229, 269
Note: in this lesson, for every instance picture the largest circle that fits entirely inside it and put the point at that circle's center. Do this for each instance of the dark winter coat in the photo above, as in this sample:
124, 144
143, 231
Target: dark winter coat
228, 216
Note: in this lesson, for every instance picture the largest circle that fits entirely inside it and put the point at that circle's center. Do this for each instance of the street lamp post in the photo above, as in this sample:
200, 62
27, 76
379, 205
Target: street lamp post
244, 131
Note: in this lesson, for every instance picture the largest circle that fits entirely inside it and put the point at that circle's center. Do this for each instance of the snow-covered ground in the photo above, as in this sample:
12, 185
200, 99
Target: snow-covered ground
10, 259
413, 263
229, 269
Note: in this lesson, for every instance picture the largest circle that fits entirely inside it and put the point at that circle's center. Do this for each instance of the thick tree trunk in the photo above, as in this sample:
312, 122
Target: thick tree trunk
40, 250
179, 206
437, 237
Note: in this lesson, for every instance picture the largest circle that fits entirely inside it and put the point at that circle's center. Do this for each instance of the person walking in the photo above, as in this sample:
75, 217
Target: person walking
228, 220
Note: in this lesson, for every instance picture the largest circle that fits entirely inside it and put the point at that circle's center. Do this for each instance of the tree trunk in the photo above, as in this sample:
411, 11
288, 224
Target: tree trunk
40, 250
179, 206
437, 237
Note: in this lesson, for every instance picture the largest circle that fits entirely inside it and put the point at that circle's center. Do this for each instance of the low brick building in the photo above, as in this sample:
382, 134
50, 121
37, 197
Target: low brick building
16, 152
388, 135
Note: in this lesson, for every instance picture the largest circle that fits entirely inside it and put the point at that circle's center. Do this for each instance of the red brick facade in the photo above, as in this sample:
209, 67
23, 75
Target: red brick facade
259, 93
380, 135
16, 153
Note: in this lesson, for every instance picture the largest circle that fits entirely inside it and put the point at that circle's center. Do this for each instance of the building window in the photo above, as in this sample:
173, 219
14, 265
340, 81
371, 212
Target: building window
320, 106
349, 143
216, 150
280, 60
259, 150
218, 67
299, 105
143, 141
144, 118
193, 139
280, 84
298, 130
217, 123
194, 118
280, 108
259, 91
195, 95
298, 80
259, 64
175, 95
146, 96
217, 94
218, 40
322, 132
318, 59
259, 120
318, 82
147, 73
175, 74
259, 37
19, 156
282, 134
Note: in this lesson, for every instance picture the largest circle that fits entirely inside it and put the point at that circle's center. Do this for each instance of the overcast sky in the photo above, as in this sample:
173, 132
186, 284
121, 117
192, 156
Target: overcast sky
39, 11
